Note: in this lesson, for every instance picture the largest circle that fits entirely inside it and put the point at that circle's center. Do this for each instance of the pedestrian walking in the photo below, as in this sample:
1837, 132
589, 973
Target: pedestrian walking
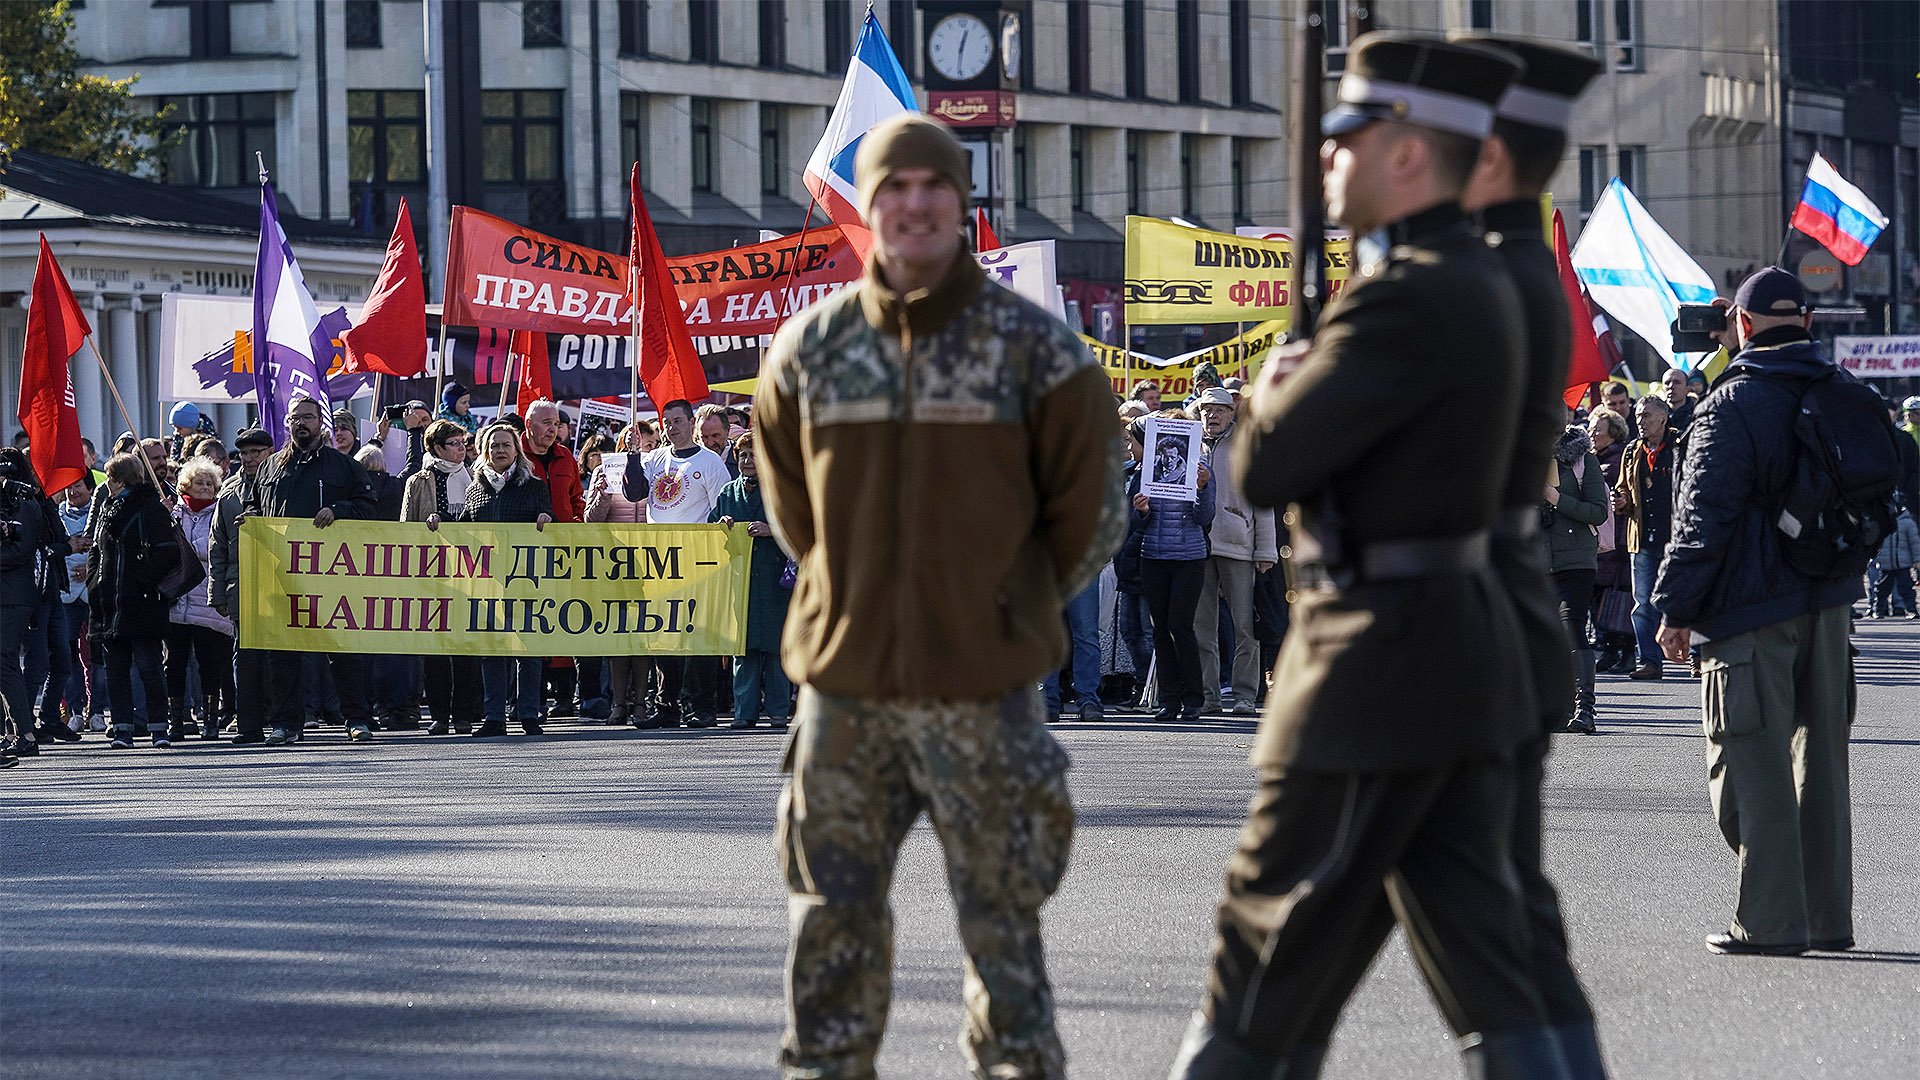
195, 632
504, 489
132, 553
1644, 497
682, 481
923, 434
628, 674
434, 494
1240, 545
1173, 565
759, 682
250, 671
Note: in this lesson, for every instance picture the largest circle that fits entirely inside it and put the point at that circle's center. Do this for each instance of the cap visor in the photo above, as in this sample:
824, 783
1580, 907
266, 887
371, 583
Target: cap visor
1344, 119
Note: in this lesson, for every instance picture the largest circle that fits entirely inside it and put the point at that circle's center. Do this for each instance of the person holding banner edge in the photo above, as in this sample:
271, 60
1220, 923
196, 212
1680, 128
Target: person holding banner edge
505, 488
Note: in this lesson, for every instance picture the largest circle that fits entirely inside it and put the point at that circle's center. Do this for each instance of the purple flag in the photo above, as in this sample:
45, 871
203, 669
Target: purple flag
290, 346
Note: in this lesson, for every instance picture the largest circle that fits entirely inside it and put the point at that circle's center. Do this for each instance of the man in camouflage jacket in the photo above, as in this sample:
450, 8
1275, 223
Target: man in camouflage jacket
940, 456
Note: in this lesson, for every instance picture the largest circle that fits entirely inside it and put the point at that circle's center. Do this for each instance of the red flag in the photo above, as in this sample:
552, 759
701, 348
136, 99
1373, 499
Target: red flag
983, 237
1587, 364
391, 337
535, 381
669, 366
56, 329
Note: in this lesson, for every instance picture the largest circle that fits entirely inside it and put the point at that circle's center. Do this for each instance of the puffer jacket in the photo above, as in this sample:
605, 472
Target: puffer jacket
25, 533
1901, 548
1239, 531
1177, 529
1571, 541
133, 551
1724, 573
196, 608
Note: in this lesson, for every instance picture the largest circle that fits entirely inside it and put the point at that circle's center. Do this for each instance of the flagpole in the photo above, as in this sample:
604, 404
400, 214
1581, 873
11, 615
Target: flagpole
506, 384
132, 429
633, 353
1780, 260
441, 363
799, 248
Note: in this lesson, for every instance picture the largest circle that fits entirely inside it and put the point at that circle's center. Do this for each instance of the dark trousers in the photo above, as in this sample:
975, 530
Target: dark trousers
48, 662
453, 688
1172, 588
1329, 861
286, 688
512, 683
14, 700
1894, 581
212, 653
1575, 589
250, 691
124, 659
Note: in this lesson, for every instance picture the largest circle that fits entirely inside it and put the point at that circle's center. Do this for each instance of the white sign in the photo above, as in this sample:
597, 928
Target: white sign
1029, 269
1886, 357
614, 468
1173, 455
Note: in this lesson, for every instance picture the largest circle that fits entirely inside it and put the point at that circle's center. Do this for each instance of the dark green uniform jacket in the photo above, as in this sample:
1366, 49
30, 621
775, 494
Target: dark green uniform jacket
1422, 351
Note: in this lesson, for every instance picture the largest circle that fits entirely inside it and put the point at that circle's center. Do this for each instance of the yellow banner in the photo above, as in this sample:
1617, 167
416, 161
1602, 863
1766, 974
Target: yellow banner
1177, 274
494, 590
1236, 356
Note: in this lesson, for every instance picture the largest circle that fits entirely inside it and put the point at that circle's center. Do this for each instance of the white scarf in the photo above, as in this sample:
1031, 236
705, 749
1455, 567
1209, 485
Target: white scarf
458, 479
498, 480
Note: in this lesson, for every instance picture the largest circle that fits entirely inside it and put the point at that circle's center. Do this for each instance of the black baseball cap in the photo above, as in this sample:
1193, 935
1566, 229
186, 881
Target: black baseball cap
1771, 291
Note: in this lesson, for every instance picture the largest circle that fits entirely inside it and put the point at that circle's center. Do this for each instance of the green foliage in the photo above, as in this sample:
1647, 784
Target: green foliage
49, 107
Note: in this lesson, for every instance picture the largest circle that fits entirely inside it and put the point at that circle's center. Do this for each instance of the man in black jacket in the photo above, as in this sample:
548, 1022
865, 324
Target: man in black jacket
1777, 679
309, 479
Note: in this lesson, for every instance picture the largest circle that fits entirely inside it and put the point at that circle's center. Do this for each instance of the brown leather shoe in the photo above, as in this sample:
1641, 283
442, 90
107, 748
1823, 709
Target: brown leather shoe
1648, 672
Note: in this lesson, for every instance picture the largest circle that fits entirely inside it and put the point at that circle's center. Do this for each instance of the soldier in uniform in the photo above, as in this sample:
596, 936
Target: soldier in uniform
940, 456
1386, 765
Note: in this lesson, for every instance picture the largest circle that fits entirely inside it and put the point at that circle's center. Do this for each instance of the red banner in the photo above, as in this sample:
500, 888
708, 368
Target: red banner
505, 275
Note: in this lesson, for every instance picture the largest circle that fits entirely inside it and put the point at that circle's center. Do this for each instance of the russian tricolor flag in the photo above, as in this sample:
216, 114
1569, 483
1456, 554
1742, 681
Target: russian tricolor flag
876, 89
1837, 214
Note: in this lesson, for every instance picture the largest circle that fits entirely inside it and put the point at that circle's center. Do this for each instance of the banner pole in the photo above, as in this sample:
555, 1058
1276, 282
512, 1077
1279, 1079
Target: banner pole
132, 428
506, 384
633, 359
440, 376
799, 248
1780, 260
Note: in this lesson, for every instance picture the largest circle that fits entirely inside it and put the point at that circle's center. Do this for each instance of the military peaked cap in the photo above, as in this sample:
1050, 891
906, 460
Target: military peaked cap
1421, 80
1544, 94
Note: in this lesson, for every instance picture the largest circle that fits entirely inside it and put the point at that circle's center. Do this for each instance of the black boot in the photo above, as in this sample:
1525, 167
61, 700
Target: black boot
1580, 1047
1205, 1054
1584, 716
1532, 1054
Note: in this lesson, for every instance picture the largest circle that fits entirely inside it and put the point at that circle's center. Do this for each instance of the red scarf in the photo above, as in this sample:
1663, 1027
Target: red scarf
197, 505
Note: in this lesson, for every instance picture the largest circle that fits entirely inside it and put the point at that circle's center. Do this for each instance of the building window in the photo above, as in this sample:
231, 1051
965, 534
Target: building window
1134, 42
1480, 14
520, 136
386, 140
773, 149
1136, 174
633, 131
1240, 51
363, 24
633, 27
906, 44
1334, 35
1186, 27
1593, 178
1238, 170
773, 34
1188, 180
1631, 168
701, 144
1022, 167
222, 132
1077, 168
837, 28
703, 31
1589, 19
540, 24
1079, 48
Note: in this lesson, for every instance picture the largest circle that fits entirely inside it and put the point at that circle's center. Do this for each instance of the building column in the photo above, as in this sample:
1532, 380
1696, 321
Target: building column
736, 154
1213, 170
90, 394
1050, 162
123, 357
669, 146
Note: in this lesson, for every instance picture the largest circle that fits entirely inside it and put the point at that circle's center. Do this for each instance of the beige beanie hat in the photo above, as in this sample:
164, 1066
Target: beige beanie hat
910, 141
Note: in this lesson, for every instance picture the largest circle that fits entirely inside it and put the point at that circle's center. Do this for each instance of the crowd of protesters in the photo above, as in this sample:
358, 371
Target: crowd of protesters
101, 636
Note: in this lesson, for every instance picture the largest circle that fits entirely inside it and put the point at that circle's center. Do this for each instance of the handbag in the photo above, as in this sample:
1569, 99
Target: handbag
1616, 611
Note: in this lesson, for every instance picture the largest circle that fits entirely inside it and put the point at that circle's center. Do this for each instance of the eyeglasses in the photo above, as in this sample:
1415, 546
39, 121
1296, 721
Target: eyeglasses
457, 444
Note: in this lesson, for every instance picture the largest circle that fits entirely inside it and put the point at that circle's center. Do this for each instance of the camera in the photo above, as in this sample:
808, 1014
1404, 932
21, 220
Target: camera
396, 414
1694, 326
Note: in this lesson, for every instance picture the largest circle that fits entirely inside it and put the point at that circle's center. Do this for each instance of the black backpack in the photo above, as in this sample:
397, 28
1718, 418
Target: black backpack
1838, 504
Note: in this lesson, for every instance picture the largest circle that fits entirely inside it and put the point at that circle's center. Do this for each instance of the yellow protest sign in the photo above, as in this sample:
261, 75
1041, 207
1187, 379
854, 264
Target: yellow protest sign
1177, 274
1175, 376
494, 590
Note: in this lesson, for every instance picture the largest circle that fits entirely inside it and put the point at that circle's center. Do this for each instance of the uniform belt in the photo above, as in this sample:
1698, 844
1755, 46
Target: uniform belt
1517, 523
1400, 560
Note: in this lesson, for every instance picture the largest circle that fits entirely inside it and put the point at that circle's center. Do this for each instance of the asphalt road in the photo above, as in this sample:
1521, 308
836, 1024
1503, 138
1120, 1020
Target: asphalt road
603, 903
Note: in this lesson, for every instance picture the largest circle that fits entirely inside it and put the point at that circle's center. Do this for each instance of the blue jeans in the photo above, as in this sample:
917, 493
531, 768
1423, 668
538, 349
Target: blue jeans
1135, 622
1083, 628
517, 677
756, 673
1646, 618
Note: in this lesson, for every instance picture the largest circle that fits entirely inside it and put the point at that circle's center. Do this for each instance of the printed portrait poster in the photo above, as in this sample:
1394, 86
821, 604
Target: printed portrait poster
1173, 459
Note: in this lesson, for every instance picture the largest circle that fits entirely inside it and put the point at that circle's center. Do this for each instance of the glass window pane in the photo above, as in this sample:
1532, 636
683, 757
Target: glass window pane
496, 153
182, 165
543, 152
404, 156
401, 103
360, 164
254, 138
256, 106
540, 103
223, 106
360, 104
496, 104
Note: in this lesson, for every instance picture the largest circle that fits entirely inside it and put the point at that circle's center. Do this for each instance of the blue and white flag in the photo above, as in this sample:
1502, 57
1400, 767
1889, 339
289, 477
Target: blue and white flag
291, 350
1635, 271
876, 89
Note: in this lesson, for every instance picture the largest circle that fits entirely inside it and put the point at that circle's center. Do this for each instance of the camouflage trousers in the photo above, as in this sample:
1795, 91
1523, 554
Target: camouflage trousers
993, 781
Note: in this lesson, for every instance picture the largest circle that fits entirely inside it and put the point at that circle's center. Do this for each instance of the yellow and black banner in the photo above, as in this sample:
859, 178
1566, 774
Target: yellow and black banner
1177, 274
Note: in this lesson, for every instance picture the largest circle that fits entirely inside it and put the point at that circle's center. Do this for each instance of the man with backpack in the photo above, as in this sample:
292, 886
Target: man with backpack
1790, 470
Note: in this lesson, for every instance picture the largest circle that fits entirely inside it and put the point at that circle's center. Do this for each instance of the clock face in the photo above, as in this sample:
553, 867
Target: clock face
960, 47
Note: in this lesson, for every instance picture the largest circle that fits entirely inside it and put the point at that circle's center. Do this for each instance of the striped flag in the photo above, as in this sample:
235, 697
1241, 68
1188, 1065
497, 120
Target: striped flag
876, 89
1634, 270
1837, 214
291, 349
